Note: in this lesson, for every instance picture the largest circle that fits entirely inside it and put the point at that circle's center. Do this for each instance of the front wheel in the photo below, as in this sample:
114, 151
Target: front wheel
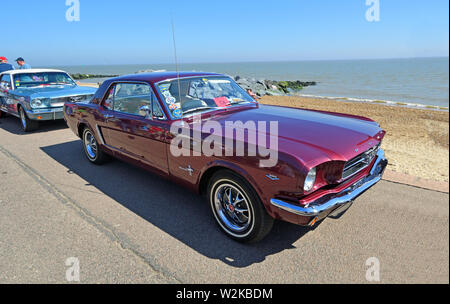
27, 124
237, 208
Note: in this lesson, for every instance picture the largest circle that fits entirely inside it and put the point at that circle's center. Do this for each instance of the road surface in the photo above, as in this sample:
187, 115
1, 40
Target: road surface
124, 225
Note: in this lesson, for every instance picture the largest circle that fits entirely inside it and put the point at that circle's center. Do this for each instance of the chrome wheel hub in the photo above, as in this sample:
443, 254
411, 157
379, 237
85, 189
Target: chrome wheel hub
232, 208
91, 145
23, 119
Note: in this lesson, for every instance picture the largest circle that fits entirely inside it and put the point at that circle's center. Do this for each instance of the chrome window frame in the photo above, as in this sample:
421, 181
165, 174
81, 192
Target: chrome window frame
191, 77
11, 83
164, 118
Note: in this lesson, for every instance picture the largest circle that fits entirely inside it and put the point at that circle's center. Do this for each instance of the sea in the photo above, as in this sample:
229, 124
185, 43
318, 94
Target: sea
422, 81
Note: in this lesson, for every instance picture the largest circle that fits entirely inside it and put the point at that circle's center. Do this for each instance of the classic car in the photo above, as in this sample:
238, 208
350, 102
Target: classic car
38, 94
324, 160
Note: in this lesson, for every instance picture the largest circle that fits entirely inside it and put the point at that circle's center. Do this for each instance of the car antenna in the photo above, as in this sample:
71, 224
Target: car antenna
176, 58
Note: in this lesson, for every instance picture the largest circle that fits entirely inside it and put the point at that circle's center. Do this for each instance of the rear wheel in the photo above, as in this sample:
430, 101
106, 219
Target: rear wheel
91, 148
27, 124
237, 208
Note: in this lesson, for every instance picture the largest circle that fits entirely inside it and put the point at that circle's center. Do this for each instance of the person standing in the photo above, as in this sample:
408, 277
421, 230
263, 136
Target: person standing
22, 64
4, 65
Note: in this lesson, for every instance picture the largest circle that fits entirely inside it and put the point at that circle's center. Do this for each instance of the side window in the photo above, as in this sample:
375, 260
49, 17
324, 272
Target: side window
109, 101
130, 97
157, 112
5, 82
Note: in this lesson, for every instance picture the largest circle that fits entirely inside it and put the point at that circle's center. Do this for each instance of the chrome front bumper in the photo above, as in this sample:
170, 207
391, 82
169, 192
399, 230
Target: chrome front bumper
46, 114
322, 209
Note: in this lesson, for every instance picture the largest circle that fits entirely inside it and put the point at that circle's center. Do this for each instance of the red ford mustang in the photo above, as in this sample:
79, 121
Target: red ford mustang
255, 163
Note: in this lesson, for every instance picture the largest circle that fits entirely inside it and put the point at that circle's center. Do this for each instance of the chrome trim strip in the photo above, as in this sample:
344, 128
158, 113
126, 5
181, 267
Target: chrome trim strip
44, 111
190, 77
343, 198
100, 135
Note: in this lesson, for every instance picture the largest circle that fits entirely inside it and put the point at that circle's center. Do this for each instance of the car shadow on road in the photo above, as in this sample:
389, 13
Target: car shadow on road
12, 125
182, 214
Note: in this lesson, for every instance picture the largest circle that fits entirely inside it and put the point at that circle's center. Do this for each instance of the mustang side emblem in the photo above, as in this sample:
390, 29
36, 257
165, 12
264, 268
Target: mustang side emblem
272, 177
188, 170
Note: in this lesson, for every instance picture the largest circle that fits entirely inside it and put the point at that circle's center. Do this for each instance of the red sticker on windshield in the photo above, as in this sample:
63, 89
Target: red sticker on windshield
222, 102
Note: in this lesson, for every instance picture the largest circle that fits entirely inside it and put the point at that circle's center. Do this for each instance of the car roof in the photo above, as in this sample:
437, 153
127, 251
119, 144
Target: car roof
15, 72
161, 76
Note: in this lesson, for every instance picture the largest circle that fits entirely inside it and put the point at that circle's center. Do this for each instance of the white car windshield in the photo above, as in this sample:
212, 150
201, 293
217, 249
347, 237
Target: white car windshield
42, 79
196, 95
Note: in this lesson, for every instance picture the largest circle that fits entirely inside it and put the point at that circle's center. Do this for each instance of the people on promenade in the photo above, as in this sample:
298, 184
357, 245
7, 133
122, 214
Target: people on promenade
22, 64
4, 65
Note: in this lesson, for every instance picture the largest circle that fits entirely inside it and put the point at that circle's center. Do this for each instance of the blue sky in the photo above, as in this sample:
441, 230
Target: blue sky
139, 31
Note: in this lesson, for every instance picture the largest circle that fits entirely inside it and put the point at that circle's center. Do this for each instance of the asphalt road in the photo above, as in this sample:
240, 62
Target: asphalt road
125, 225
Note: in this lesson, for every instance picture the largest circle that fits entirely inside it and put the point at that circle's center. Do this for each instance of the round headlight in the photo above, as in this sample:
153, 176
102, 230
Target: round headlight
310, 180
36, 103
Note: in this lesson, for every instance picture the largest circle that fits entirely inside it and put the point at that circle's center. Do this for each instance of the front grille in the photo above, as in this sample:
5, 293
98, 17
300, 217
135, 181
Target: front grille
359, 163
59, 102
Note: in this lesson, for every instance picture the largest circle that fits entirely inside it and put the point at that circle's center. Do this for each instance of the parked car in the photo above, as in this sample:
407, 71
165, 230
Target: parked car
325, 160
38, 94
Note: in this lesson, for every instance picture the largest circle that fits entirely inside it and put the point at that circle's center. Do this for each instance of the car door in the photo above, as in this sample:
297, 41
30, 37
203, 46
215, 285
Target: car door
130, 131
5, 88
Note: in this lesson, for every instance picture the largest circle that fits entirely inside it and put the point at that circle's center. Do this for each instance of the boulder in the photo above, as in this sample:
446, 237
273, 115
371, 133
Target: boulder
263, 87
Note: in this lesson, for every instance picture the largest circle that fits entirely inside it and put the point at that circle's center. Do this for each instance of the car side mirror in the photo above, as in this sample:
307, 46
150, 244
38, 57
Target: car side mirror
147, 110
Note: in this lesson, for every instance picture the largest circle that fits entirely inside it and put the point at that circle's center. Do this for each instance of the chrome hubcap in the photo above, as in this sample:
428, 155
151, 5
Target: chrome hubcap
23, 119
232, 208
91, 145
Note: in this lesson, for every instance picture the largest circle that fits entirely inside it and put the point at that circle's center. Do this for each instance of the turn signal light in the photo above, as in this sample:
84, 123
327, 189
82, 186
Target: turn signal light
314, 221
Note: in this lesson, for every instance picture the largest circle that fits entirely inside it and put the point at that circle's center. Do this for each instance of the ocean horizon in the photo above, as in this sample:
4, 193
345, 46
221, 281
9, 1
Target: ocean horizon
411, 80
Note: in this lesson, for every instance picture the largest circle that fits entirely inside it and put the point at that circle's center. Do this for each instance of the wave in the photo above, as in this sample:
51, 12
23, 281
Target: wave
377, 101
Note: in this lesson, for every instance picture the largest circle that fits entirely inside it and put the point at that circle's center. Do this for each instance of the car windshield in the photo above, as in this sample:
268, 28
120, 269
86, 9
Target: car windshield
196, 95
42, 79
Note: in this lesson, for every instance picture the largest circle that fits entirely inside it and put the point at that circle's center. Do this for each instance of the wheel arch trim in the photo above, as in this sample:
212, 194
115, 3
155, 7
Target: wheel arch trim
208, 171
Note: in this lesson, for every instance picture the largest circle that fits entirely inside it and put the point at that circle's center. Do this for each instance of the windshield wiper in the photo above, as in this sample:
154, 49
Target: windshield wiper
241, 101
199, 109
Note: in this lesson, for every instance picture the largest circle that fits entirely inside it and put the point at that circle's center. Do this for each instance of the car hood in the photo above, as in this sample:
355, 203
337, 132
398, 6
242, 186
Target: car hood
55, 91
312, 137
